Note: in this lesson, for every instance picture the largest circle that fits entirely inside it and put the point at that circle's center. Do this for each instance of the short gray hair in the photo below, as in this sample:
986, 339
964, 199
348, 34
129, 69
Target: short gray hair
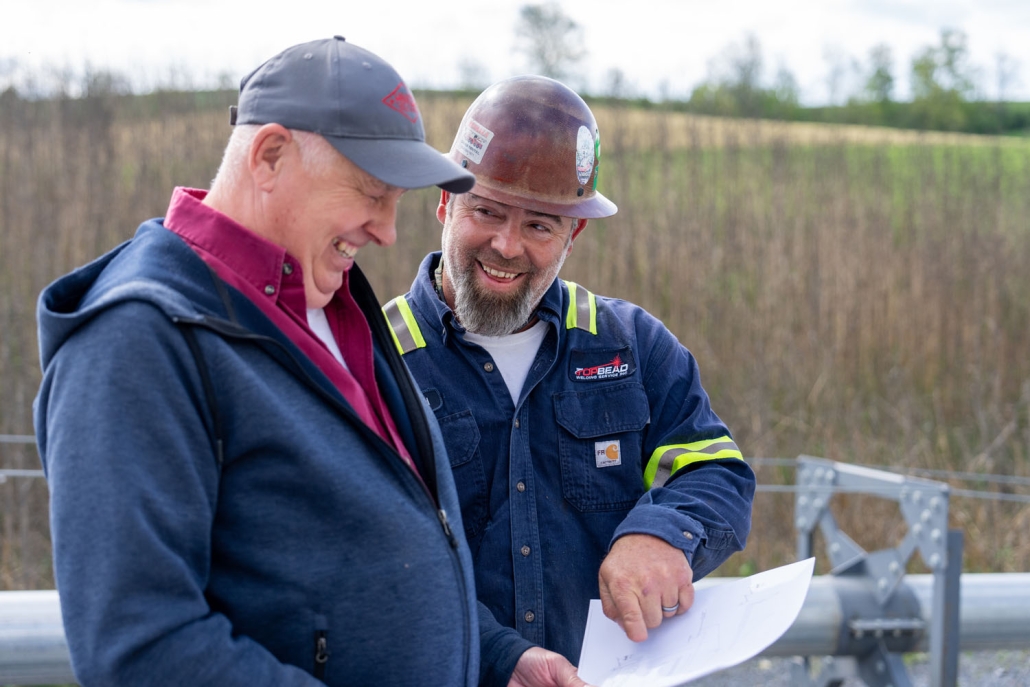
317, 155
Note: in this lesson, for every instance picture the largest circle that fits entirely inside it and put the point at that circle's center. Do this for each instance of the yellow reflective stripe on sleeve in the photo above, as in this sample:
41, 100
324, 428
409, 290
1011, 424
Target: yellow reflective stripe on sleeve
582, 312
667, 460
403, 327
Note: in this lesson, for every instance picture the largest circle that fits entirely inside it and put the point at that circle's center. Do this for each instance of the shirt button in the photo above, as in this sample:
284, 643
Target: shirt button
516, 423
287, 268
269, 289
524, 550
521, 486
489, 367
688, 535
530, 616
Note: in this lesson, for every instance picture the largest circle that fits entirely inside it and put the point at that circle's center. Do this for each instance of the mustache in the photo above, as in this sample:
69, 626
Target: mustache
498, 261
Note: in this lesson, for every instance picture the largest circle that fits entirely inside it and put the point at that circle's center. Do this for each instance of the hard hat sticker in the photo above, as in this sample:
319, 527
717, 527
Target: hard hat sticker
597, 154
584, 155
475, 139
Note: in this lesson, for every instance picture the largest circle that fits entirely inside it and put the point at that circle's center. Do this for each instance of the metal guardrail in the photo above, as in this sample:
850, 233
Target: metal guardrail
995, 615
862, 616
33, 650
17, 439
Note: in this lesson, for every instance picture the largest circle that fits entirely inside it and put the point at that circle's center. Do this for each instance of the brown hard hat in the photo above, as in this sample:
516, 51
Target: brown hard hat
533, 143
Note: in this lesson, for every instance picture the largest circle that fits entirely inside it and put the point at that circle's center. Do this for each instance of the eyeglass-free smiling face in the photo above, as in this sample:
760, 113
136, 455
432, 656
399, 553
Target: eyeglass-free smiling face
322, 211
499, 260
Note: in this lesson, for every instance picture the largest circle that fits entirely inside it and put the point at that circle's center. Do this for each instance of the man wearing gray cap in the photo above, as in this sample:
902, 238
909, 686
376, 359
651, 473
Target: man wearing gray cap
245, 488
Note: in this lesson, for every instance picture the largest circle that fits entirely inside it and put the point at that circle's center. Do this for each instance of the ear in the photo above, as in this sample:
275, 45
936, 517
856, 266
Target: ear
441, 209
265, 160
579, 226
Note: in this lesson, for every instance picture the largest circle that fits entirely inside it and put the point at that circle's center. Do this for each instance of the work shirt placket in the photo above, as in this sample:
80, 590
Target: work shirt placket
528, 576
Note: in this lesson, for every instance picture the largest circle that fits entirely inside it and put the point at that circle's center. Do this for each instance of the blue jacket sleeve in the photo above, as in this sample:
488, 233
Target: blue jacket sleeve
704, 509
132, 507
500, 650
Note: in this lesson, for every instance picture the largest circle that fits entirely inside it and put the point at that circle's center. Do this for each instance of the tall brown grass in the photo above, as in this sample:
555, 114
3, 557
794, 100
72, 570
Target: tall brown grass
853, 293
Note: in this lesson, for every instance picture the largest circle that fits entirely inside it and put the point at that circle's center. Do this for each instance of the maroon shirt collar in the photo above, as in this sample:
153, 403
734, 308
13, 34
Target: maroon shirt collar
250, 256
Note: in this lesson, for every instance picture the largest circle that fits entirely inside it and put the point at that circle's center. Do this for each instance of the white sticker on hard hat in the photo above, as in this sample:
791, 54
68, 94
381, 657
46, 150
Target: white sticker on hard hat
475, 139
584, 155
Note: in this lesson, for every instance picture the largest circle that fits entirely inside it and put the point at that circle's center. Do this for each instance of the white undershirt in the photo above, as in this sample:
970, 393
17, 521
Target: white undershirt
319, 324
513, 354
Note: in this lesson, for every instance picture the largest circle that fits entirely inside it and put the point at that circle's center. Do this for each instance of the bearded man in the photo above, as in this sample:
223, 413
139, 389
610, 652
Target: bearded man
587, 457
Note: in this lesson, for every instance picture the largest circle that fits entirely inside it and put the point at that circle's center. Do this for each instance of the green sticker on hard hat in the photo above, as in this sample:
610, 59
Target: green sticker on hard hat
585, 147
597, 156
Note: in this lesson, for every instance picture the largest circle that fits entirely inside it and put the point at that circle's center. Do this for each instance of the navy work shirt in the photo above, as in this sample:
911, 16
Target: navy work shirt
612, 435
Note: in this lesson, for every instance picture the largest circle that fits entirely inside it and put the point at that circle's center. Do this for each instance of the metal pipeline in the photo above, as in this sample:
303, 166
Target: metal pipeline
840, 617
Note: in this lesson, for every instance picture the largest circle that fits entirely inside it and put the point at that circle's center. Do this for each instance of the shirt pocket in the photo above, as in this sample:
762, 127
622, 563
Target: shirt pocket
592, 421
461, 437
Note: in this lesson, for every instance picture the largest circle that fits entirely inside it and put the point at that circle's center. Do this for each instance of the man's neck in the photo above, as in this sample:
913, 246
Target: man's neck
239, 205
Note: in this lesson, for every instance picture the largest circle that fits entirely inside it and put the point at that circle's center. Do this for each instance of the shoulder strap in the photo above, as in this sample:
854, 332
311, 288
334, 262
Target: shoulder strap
209, 394
189, 334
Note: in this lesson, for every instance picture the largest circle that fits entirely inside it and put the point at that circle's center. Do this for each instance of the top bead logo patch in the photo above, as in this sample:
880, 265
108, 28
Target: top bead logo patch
589, 366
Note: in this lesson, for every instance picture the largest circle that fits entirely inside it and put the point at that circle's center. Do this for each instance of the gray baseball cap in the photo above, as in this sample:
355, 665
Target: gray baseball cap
359, 104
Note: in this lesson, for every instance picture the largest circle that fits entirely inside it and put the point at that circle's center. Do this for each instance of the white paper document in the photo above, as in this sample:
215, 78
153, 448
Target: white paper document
728, 623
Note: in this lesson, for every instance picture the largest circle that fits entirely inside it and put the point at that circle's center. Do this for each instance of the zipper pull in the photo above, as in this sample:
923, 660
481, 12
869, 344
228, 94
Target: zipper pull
442, 515
321, 653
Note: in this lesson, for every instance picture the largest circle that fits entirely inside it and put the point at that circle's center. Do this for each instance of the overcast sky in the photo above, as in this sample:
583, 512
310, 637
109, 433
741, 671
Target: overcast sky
661, 46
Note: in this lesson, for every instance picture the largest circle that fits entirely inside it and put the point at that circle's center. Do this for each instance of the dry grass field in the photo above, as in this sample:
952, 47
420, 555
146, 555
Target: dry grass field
853, 293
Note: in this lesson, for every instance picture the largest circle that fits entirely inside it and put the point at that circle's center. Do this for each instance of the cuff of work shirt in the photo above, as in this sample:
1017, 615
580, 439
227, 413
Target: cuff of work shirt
671, 526
500, 650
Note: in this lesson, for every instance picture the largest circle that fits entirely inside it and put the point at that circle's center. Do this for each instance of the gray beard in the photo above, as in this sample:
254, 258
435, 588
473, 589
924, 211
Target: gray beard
488, 314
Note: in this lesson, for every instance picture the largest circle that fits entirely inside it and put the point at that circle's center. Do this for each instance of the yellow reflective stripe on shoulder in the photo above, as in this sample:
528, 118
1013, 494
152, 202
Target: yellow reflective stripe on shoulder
403, 326
582, 312
667, 460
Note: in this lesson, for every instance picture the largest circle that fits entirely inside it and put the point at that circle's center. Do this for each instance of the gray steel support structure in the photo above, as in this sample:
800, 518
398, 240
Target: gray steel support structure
883, 625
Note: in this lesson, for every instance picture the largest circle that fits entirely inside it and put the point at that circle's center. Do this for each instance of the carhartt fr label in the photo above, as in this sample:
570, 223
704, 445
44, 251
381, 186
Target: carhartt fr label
607, 453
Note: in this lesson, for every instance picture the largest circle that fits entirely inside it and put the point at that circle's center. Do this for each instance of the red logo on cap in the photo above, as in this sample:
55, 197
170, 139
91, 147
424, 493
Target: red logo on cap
402, 101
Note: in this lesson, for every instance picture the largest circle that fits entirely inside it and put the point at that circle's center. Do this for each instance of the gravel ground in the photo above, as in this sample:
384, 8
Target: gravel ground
976, 669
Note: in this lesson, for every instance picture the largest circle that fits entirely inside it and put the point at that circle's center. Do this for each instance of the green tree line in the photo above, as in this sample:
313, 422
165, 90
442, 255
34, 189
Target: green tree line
946, 93
947, 90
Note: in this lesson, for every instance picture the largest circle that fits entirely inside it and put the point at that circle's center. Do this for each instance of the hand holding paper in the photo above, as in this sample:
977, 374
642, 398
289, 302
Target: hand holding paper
539, 667
727, 624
